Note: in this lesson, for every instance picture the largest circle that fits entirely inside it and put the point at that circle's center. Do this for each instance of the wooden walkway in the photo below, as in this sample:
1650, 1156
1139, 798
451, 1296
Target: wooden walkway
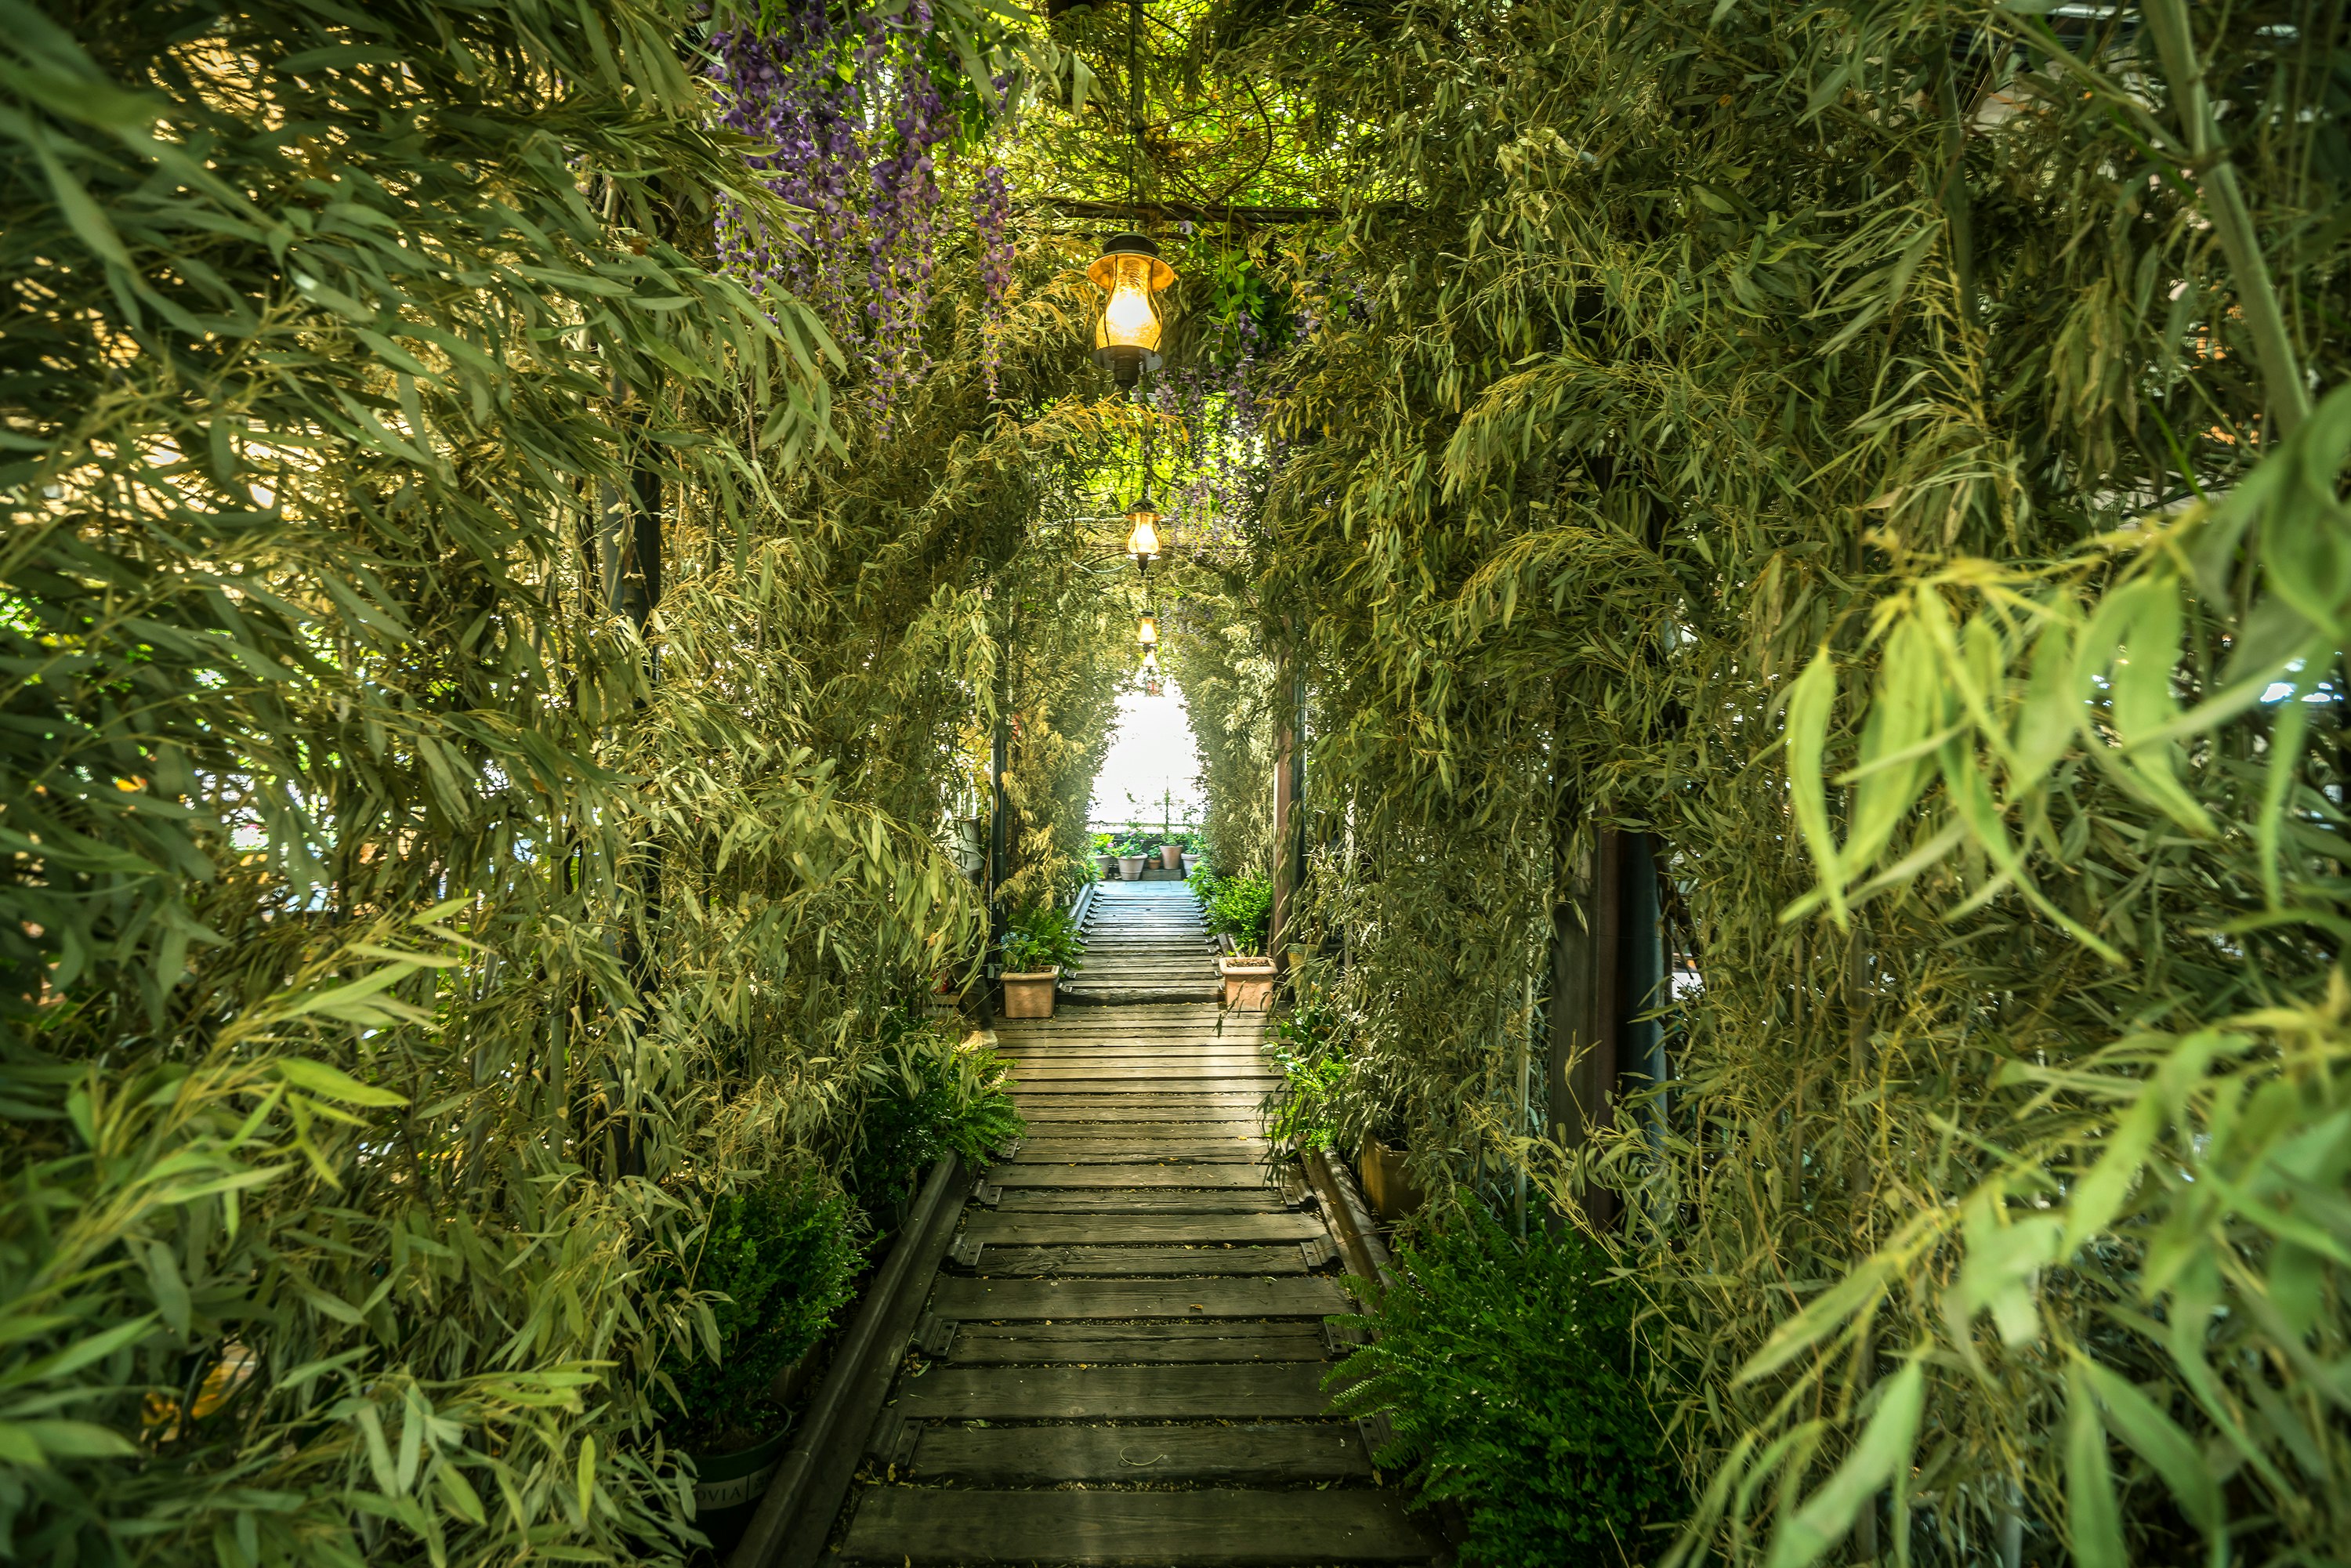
1144, 942
1123, 1360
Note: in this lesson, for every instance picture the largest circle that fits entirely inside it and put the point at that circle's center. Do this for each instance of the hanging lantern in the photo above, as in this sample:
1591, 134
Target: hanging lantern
1142, 531
1131, 275
1147, 634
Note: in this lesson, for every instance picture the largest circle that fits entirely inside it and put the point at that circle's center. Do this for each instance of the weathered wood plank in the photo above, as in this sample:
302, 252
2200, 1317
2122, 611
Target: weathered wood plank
1001, 1300
1218, 1340
1211, 1528
1143, 1097
1143, 1200
1000, 1260
1128, 1151
1126, 1176
1122, 1117
1048, 1231
1320, 1451
1267, 1391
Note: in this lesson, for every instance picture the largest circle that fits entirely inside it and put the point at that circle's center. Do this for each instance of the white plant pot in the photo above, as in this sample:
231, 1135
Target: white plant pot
1131, 867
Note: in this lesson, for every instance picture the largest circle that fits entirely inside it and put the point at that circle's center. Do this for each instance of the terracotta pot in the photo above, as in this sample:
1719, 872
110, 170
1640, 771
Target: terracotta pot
1030, 995
1130, 867
1171, 857
1248, 984
728, 1488
1392, 1192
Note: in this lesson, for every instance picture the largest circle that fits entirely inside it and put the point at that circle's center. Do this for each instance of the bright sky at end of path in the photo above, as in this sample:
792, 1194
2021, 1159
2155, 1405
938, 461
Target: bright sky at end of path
1150, 755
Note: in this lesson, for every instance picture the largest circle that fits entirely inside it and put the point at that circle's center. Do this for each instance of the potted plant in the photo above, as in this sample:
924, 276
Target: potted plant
1240, 908
1393, 1192
1191, 850
1105, 863
1036, 949
1171, 856
1135, 847
767, 1273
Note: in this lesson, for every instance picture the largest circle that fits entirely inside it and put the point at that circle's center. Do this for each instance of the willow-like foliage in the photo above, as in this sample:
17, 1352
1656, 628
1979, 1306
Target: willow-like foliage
477, 720
1967, 370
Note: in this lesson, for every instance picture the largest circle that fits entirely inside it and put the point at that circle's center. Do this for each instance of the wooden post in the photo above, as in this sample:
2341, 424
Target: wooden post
1285, 806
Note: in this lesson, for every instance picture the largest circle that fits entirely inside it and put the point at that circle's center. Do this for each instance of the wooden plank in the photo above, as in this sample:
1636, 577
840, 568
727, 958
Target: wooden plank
1210, 1528
1126, 1176
1181, 1054
1143, 1200
1128, 1151
1153, 1077
1042, 1456
1052, 1229
1174, 1102
1265, 1391
1221, 1339
1084, 1112
1141, 1134
1002, 1301
1079, 1260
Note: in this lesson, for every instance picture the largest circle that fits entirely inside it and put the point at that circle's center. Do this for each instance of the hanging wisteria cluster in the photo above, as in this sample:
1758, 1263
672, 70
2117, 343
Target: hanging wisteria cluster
855, 119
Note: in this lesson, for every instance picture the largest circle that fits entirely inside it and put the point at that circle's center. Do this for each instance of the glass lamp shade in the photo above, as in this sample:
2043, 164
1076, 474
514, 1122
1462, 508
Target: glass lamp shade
1131, 275
1142, 531
1147, 634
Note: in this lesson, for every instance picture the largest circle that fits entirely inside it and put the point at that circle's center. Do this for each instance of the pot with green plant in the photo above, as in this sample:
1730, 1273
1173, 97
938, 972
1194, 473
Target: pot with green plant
1105, 861
1042, 943
1241, 908
1135, 847
764, 1276
1191, 850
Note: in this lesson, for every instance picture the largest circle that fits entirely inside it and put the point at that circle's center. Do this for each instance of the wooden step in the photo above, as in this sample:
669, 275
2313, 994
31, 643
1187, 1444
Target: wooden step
1108, 1345
1004, 1261
1137, 1229
1071, 1175
1073, 1121
1143, 1200
1266, 1391
1032, 1456
1002, 1301
1038, 1150
1223, 1527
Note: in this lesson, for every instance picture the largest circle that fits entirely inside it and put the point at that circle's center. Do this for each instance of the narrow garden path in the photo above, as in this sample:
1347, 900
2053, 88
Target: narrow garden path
1122, 1361
1144, 942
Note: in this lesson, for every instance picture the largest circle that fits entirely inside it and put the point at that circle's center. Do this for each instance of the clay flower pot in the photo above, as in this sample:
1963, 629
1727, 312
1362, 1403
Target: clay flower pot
1392, 1192
1030, 995
1248, 984
1171, 857
1130, 867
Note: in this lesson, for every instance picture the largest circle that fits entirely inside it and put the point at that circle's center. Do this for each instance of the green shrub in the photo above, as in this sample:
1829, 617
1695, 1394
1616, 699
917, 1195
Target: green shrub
1508, 1373
1311, 1076
930, 1097
782, 1257
1043, 938
1240, 907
